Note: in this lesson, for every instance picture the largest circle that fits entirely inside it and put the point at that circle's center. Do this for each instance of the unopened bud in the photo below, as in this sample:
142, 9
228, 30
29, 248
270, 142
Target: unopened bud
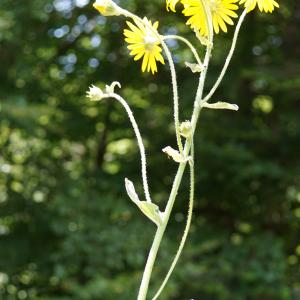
107, 8
95, 93
186, 129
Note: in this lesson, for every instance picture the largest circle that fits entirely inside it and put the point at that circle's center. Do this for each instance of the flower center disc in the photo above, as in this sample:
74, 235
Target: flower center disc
214, 4
150, 42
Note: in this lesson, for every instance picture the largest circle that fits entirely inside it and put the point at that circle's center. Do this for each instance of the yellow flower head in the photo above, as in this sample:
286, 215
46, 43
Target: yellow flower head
143, 43
222, 12
171, 4
107, 8
263, 5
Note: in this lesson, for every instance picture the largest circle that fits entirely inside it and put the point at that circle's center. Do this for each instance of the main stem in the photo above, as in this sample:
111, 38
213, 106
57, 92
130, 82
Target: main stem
187, 227
177, 181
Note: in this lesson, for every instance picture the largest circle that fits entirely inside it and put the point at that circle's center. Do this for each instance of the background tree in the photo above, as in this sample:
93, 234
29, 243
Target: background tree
67, 230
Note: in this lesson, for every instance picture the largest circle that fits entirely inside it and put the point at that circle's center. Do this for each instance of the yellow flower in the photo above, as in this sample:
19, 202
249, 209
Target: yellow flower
222, 12
143, 43
263, 5
171, 4
107, 8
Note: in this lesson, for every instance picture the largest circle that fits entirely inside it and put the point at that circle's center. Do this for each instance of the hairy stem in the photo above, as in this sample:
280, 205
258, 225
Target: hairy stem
177, 181
160, 231
176, 184
187, 227
139, 141
229, 57
193, 49
175, 95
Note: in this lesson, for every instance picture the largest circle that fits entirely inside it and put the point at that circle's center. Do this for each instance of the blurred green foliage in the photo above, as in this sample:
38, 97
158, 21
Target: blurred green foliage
67, 228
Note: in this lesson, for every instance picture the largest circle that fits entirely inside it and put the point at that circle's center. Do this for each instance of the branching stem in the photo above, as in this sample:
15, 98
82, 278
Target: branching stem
177, 181
188, 43
188, 147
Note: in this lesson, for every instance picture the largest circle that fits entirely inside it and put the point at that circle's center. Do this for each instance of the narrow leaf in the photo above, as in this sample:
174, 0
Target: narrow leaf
131, 191
151, 211
221, 105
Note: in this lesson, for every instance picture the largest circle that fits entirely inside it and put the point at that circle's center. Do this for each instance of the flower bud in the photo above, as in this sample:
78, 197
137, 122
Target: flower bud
186, 129
95, 93
107, 8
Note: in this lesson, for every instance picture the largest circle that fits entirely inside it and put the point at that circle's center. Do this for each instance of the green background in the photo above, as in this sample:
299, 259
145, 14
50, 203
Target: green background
67, 227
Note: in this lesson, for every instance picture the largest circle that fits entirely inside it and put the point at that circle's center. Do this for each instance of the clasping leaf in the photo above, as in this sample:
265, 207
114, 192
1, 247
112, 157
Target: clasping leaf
149, 209
195, 68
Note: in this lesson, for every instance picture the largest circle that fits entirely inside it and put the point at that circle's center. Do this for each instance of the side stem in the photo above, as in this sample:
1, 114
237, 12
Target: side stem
188, 43
175, 95
139, 141
229, 57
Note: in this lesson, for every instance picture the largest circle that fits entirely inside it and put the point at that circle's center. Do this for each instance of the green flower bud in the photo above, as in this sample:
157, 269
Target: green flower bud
186, 129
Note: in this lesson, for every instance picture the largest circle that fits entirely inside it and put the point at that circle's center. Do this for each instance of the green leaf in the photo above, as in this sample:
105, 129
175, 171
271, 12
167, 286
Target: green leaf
221, 105
131, 191
195, 68
151, 210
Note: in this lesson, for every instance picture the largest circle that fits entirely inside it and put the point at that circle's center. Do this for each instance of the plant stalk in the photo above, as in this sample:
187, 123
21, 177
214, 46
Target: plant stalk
187, 227
139, 142
228, 58
178, 178
177, 181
